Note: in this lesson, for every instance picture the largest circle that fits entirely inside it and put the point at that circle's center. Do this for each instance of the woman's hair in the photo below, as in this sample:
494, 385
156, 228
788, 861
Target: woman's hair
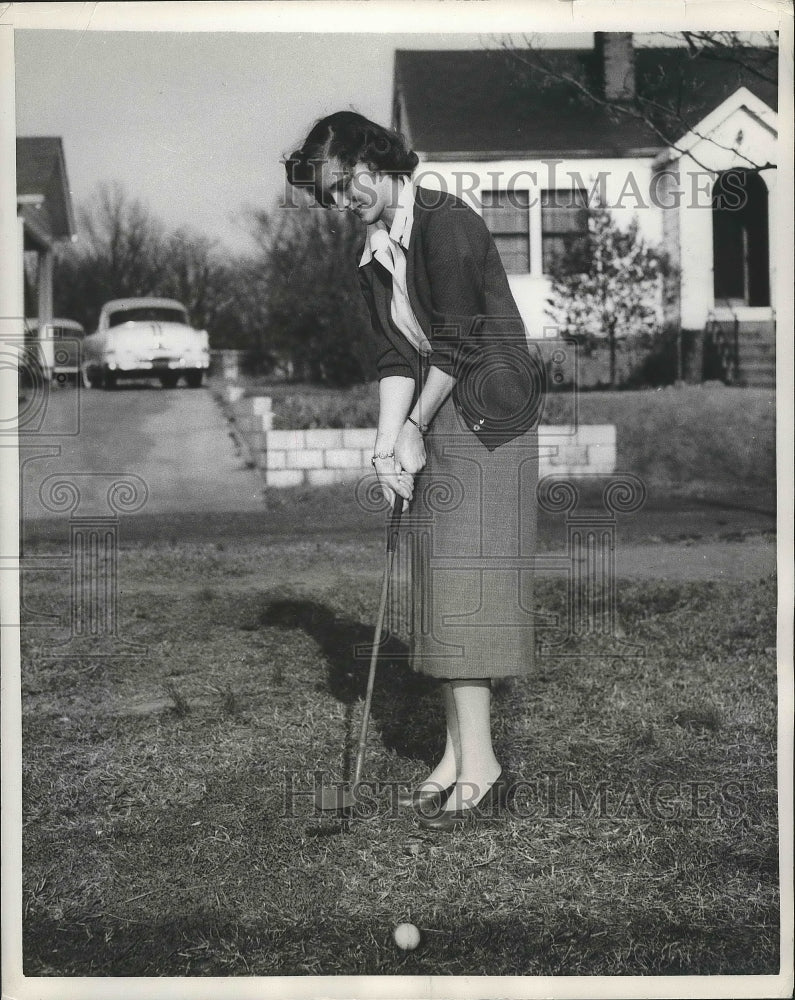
351, 138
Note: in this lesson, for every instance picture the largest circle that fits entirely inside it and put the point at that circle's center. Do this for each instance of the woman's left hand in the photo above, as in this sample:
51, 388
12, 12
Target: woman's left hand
410, 449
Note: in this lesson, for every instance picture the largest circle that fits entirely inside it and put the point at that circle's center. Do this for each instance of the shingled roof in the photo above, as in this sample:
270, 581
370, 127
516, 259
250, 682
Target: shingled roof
41, 170
488, 104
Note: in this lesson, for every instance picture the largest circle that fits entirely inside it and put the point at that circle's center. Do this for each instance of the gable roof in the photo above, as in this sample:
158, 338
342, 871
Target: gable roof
41, 171
705, 131
486, 104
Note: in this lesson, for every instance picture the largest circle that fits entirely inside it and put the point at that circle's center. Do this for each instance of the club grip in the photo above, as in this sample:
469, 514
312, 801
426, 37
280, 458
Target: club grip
394, 524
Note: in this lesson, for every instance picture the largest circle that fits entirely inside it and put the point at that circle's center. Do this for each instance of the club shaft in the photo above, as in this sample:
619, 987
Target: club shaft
390, 558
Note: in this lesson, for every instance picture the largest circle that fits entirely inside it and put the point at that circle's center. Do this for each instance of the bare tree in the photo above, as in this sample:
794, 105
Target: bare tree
125, 241
315, 311
121, 253
729, 47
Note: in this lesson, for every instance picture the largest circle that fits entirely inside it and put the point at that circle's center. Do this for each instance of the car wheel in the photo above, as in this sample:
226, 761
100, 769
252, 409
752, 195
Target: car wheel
169, 381
109, 380
194, 379
90, 378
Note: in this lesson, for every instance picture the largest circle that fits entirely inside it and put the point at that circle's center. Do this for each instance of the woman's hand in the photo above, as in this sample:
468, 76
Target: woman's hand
394, 480
410, 449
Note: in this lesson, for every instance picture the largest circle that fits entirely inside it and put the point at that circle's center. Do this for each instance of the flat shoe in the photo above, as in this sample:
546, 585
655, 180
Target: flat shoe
449, 819
416, 799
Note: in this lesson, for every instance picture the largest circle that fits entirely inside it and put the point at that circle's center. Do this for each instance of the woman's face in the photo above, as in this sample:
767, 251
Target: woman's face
370, 195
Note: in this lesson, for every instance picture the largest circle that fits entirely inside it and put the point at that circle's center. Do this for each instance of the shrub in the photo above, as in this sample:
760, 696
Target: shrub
354, 407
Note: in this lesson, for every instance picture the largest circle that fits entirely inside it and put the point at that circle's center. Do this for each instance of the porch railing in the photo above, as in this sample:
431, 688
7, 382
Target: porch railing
725, 343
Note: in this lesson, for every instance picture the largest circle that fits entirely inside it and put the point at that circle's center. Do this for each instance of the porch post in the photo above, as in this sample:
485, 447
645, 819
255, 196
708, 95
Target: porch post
769, 178
45, 281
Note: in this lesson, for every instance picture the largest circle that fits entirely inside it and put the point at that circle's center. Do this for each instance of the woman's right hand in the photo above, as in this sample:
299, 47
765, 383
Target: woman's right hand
394, 480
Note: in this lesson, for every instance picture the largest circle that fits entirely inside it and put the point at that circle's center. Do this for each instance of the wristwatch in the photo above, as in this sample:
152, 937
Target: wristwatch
422, 428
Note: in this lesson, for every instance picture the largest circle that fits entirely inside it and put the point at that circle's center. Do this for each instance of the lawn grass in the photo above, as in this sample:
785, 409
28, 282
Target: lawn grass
155, 834
694, 440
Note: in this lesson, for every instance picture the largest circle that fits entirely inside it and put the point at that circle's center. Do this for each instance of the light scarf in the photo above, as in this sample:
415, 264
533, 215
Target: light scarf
387, 246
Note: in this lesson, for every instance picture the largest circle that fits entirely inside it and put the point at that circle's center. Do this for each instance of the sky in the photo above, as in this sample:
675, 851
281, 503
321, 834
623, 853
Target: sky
194, 125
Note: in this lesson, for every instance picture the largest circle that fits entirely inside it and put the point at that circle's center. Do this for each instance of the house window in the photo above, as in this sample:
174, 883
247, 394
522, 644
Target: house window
507, 215
564, 223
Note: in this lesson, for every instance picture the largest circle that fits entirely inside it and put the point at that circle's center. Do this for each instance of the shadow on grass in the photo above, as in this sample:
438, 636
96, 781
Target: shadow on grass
399, 707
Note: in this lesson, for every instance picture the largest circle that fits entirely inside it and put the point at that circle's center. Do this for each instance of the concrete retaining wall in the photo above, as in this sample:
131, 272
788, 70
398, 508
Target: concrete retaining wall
326, 455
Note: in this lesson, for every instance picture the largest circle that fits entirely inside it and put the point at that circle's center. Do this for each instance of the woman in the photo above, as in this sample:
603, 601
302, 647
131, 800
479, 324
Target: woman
431, 275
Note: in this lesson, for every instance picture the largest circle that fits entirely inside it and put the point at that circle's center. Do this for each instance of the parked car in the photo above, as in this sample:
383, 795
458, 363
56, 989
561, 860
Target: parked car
66, 336
145, 338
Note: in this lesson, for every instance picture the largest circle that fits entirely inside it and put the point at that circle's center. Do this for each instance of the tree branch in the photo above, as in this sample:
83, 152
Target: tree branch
640, 110
717, 46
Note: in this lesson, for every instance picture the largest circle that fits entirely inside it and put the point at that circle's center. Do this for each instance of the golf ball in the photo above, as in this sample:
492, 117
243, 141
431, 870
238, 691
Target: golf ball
407, 937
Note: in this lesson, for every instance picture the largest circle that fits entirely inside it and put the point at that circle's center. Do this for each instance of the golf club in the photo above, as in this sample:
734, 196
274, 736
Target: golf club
340, 797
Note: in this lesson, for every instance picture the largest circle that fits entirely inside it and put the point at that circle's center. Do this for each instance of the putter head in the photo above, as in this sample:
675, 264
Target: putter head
334, 798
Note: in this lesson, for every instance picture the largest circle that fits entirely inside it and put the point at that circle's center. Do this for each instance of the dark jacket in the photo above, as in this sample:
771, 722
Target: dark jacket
455, 278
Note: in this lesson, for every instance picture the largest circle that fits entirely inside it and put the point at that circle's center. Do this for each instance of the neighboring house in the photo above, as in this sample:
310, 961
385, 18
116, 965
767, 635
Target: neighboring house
45, 218
484, 125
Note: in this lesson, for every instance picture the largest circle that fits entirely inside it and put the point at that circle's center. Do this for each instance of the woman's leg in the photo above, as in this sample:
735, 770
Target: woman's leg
446, 771
479, 767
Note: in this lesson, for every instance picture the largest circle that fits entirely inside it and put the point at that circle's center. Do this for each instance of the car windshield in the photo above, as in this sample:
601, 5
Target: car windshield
147, 314
68, 332
55, 330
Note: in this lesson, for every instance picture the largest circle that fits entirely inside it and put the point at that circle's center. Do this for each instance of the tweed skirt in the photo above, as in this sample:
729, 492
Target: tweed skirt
464, 557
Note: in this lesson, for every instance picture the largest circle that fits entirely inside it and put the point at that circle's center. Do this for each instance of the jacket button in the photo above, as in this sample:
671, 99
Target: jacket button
476, 427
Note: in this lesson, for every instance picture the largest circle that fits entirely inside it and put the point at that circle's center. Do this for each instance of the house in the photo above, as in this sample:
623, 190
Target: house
45, 218
528, 137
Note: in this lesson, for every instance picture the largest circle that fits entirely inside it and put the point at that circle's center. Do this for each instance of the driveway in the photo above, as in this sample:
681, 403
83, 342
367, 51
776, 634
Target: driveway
171, 445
